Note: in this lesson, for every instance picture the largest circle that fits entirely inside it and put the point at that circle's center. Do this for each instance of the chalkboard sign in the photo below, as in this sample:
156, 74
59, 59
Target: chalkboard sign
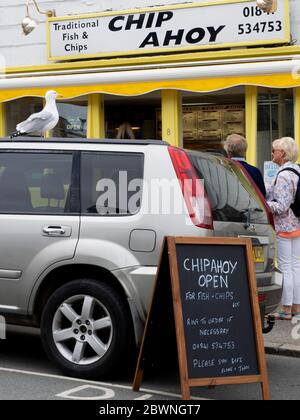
211, 284
216, 310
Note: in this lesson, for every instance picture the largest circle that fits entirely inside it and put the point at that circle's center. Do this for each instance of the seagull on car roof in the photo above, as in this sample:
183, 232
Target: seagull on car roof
43, 121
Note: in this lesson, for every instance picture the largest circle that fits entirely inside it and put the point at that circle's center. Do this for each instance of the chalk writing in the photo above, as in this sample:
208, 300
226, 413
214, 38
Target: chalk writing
216, 311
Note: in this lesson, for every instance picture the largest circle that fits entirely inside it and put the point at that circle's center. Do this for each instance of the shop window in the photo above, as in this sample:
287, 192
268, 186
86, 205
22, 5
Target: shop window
208, 118
72, 119
275, 119
72, 116
19, 110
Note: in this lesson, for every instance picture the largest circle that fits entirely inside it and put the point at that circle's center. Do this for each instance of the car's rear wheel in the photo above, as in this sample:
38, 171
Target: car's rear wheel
86, 328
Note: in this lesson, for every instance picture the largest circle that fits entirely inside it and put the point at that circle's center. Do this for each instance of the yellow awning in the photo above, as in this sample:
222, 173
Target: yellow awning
280, 74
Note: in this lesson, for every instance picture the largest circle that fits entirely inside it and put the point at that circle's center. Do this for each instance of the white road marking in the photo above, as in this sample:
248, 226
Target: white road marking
105, 393
85, 381
144, 397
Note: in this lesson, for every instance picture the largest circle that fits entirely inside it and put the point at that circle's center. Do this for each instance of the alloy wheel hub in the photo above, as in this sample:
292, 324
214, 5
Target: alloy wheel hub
82, 329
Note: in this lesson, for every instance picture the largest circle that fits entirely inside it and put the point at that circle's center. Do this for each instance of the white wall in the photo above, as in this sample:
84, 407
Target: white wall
17, 50
295, 20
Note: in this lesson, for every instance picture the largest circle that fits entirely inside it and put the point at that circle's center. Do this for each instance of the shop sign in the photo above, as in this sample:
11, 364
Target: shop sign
196, 26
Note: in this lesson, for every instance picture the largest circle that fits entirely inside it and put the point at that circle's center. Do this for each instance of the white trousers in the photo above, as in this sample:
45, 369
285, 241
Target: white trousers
288, 256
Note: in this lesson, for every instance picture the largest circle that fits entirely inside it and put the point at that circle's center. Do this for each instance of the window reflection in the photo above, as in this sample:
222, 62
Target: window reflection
35, 182
72, 119
103, 176
229, 191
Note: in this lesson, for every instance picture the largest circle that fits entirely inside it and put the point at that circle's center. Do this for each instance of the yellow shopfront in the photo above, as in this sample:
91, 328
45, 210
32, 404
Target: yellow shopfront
189, 98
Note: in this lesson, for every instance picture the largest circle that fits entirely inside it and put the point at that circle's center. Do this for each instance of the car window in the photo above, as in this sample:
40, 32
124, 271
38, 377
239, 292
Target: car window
111, 183
35, 182
231, 196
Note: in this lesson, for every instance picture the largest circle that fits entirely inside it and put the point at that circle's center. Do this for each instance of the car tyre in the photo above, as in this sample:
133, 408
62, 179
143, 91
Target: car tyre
86, 329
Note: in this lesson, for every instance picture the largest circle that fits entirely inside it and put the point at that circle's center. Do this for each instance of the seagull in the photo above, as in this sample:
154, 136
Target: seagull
40, 121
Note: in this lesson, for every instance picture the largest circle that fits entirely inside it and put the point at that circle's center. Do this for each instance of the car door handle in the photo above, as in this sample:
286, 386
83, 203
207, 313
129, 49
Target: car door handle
57, 231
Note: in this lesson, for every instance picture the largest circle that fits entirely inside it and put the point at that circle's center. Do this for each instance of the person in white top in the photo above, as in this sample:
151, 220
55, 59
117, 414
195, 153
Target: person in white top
280, 196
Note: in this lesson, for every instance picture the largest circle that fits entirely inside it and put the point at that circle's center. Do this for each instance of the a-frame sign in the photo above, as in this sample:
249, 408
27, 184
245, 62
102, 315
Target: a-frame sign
206, 291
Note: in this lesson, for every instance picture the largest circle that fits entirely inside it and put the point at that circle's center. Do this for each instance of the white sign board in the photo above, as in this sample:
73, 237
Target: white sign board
270, 171
181, 27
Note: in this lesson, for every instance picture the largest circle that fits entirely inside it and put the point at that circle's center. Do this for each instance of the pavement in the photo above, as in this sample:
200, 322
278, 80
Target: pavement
284, 339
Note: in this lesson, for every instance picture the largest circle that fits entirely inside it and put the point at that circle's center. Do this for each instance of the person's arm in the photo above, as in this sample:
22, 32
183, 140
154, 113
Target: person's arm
283, 195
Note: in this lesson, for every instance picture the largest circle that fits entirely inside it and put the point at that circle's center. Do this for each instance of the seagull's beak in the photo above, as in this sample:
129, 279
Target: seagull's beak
59, 96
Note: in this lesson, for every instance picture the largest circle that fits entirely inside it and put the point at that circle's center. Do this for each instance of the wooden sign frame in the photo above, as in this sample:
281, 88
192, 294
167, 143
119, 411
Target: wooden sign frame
171, 285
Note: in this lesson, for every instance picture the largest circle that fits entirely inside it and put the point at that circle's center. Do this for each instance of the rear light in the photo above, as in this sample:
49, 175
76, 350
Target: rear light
192, 188
262, 198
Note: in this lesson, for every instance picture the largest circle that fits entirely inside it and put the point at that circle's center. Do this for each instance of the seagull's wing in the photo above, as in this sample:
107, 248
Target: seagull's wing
36, 122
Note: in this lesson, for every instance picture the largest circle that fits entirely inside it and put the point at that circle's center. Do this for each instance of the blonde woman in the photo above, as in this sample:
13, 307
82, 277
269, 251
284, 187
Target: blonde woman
280, 197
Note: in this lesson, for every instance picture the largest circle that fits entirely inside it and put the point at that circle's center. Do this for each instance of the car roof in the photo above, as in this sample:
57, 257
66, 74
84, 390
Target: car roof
38, 140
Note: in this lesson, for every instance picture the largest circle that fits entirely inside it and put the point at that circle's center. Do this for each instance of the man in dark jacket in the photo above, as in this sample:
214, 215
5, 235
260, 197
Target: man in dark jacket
236, 148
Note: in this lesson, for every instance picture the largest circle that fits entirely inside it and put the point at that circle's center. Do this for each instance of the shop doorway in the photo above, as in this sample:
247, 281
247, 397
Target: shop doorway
140, 112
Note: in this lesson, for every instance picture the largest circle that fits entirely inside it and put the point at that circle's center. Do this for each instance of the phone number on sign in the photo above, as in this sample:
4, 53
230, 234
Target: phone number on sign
260, 27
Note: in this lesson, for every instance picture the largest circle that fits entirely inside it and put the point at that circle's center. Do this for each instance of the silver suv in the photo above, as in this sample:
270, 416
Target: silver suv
82, 224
